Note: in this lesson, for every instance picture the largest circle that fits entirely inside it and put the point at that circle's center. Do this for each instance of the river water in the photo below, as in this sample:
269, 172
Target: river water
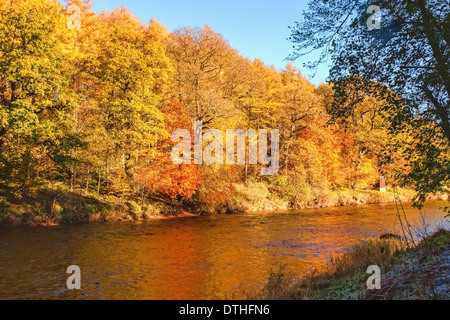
209, 257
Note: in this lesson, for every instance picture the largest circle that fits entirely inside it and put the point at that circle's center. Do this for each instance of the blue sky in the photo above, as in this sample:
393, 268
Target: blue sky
257, 28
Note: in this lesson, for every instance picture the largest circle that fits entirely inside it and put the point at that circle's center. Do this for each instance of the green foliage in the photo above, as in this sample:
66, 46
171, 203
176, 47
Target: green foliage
439, 239
134, 208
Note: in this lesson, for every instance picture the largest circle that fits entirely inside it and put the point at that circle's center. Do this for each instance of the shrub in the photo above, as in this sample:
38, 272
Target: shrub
133, 208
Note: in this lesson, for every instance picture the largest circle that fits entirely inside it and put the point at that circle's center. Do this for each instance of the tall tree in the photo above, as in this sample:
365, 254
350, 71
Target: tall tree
410, 52
407, 53
133, 71
200, 57
36, 93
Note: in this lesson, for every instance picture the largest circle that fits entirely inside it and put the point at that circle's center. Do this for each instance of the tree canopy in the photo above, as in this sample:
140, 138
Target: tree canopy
90, 107
404, 60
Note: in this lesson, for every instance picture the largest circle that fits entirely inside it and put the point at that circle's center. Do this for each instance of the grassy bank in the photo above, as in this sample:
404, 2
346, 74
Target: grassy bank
48, 206
52, 205
259, 196
255, 197
421, 272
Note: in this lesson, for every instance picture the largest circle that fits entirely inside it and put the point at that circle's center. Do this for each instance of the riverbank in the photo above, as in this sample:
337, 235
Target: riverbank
422, 272
54, 206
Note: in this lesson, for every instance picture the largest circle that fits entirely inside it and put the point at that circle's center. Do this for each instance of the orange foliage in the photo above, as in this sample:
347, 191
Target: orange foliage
165, 177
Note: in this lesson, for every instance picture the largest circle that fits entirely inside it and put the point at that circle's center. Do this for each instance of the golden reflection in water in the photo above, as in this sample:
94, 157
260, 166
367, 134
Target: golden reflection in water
187, 258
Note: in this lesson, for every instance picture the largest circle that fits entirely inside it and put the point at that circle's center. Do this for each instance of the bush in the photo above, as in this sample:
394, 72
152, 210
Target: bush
253, 196
296, 191
150, 210
133, 208
68, 216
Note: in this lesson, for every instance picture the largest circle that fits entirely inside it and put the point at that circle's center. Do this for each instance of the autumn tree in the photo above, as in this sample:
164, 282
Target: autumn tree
408, 53
131, 71
162, 177
301, 108
36, 94
200, 57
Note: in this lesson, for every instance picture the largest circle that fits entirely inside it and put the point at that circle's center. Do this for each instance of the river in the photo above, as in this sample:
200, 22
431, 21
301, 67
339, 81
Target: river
209, 257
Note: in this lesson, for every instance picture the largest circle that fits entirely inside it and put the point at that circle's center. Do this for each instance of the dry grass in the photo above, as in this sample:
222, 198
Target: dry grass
409, 273
364, 254
342, 278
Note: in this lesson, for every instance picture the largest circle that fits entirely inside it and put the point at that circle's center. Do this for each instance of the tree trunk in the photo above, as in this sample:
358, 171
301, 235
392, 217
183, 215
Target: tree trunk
98, 185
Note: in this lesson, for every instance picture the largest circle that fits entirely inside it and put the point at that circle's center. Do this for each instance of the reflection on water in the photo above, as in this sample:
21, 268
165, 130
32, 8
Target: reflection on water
185, 258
